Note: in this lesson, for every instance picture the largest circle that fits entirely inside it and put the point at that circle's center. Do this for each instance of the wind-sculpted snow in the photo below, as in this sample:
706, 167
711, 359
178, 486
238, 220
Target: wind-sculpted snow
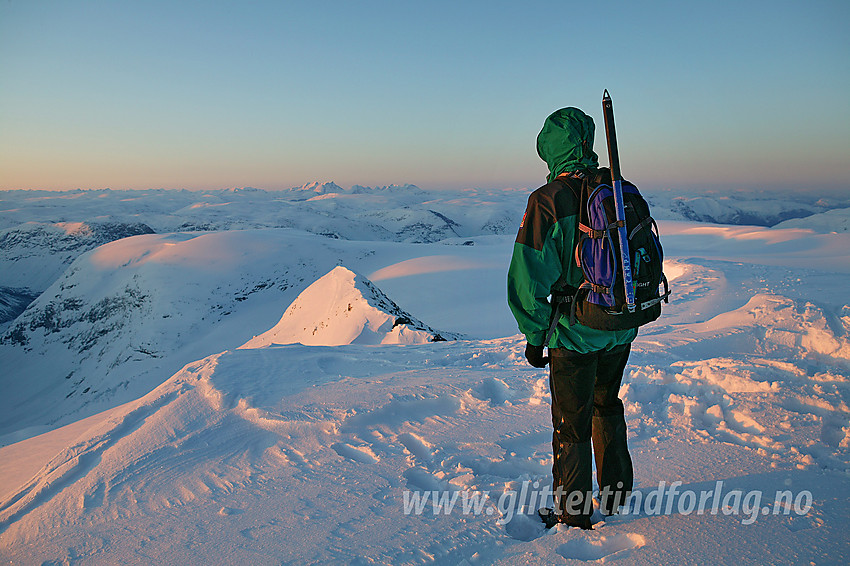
353, 453
298, 453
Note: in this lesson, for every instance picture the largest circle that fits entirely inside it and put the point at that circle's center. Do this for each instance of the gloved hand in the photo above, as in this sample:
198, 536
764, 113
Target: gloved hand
534, 355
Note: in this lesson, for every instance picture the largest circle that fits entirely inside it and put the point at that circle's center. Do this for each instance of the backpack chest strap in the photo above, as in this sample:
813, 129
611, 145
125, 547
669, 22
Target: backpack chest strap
599, 234
591, 233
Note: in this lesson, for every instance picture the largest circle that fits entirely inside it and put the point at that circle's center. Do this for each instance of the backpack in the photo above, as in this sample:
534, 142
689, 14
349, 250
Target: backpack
600, 301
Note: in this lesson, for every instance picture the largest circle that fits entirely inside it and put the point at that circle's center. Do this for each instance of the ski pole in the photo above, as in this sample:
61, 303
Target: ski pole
617, 181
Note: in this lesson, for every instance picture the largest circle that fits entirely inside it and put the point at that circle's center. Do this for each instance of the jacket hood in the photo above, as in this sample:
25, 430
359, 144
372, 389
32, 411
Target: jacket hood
566, 142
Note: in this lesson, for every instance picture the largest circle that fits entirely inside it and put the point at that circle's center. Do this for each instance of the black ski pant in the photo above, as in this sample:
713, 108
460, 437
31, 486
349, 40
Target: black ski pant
586, 409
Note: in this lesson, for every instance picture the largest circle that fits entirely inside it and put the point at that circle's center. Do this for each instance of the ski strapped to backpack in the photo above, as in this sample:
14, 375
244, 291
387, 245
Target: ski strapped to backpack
618, 251
619, 205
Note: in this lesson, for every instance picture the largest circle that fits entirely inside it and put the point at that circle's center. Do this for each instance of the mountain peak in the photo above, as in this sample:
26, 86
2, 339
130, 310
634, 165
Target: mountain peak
320, 188
343, 307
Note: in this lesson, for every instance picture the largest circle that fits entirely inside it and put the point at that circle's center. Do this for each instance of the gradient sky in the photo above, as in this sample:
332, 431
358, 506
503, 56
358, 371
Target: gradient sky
215, 94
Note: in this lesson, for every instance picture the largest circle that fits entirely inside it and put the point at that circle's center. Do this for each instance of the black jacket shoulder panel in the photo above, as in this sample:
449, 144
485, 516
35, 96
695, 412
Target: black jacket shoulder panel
546, 206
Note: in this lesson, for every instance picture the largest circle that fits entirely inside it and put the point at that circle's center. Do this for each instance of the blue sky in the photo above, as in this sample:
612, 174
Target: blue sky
209, 94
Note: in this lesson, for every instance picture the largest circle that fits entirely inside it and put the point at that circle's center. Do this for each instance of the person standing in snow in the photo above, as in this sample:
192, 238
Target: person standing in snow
585, 365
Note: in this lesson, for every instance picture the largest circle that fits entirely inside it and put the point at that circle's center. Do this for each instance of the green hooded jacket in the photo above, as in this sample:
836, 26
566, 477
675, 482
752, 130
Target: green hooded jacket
544, 249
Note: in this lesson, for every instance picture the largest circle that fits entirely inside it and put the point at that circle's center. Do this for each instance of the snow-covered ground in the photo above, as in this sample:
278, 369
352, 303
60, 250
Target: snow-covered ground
325, 434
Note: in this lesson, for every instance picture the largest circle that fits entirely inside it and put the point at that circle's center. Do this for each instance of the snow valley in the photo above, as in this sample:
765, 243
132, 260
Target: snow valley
315, 375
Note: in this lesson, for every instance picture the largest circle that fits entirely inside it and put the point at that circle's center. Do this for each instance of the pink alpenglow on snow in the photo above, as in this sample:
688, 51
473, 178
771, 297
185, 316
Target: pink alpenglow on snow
345, 308
434, 452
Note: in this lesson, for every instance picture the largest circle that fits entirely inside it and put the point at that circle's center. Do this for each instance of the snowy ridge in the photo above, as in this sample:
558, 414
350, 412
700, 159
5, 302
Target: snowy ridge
294, 453
345, 308
128, 313
739, 208
35, 254
837, 220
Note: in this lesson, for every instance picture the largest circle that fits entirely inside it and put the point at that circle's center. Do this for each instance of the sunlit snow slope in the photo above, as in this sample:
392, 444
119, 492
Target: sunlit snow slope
128, 314
345, 308
294, 453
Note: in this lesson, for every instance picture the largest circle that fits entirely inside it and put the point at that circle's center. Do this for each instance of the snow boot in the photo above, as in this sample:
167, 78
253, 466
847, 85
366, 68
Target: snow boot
550, 519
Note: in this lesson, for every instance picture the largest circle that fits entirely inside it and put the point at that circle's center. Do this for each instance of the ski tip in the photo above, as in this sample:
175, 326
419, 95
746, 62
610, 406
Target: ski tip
605, 95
